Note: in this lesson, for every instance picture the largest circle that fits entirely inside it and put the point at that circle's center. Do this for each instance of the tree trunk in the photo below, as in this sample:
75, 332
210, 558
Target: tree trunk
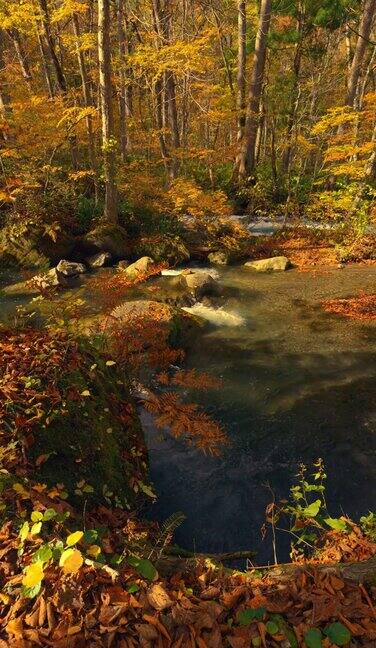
105, 88
20, 52
124, 142
60, 78
6, 111
365, 27
242, 59
245, 162
86, 92
162, 20
45, 66
295, 94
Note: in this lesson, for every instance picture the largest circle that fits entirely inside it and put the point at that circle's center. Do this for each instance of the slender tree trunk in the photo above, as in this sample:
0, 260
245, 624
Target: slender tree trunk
20, 52
365, 26
45, 65
86, 93
124, 141
60, 78
5, 100
162, 24
105, 87
245, 162
242, 60
295, 94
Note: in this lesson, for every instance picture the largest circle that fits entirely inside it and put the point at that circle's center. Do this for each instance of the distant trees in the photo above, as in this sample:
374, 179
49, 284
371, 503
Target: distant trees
208, 90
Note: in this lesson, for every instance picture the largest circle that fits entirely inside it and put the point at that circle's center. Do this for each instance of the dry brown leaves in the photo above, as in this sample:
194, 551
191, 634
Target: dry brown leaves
198, 609
362, 307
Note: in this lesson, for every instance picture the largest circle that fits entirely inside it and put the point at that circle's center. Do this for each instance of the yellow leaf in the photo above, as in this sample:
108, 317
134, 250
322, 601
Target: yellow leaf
33, 575
110, 363
73, 538
94, 551
85, 393
20, 490
71, 560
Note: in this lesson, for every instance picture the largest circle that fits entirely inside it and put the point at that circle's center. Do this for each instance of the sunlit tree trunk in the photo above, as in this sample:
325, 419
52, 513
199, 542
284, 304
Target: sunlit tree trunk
364, 31
242, 59
14, 35
105, 88
245, 162
86, 93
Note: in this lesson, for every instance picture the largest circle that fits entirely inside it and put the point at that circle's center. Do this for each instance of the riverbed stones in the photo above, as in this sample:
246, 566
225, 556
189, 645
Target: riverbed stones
99, 260
199, 284
70, 268
219, 258
274, 264
140, 266
54, 279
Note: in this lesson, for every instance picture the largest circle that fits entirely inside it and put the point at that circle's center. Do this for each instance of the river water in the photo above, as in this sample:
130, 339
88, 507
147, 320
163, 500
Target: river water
297, 384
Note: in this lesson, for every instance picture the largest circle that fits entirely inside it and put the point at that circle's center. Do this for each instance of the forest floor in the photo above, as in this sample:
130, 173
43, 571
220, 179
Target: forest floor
164, 601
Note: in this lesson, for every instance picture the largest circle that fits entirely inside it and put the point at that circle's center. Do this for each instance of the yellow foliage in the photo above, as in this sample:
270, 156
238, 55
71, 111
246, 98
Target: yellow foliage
189, 199
71, 560
33, 574
73, 538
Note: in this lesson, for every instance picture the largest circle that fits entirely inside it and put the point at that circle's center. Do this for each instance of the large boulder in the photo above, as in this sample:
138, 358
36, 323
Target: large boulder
171, 249
99, 260
30, 245
219, 258
70, 268
199, 284
139, 267
105, 238
278, 263
53, 279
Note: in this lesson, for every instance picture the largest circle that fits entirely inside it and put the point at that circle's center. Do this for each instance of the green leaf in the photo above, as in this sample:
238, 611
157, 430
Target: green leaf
313, 509
49, 514
313, 638
144, 567
43, 554
245, 617
90, 536
272, 628
133, 588
336, 524
31, 592
338, 634
284, 627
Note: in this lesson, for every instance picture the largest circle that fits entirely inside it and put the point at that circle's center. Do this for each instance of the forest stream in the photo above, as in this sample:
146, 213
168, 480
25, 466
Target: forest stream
297, 384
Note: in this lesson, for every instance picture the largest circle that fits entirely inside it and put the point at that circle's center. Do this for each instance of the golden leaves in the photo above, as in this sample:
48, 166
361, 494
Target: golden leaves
71, 560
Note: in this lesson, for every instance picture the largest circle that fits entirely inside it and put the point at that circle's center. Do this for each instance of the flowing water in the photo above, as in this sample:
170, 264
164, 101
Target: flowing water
297, 384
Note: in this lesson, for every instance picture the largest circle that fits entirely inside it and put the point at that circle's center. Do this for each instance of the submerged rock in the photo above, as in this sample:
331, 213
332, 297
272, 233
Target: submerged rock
70, 268
99, 260
200, 284
140, 266
279, 263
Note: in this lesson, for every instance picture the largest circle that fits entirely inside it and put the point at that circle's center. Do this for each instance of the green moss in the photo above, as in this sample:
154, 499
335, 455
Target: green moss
98, 438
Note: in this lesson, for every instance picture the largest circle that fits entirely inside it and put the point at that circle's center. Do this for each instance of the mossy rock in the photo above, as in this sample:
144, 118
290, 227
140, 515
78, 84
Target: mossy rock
171, 249
105, 238
99, 439
28, 245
